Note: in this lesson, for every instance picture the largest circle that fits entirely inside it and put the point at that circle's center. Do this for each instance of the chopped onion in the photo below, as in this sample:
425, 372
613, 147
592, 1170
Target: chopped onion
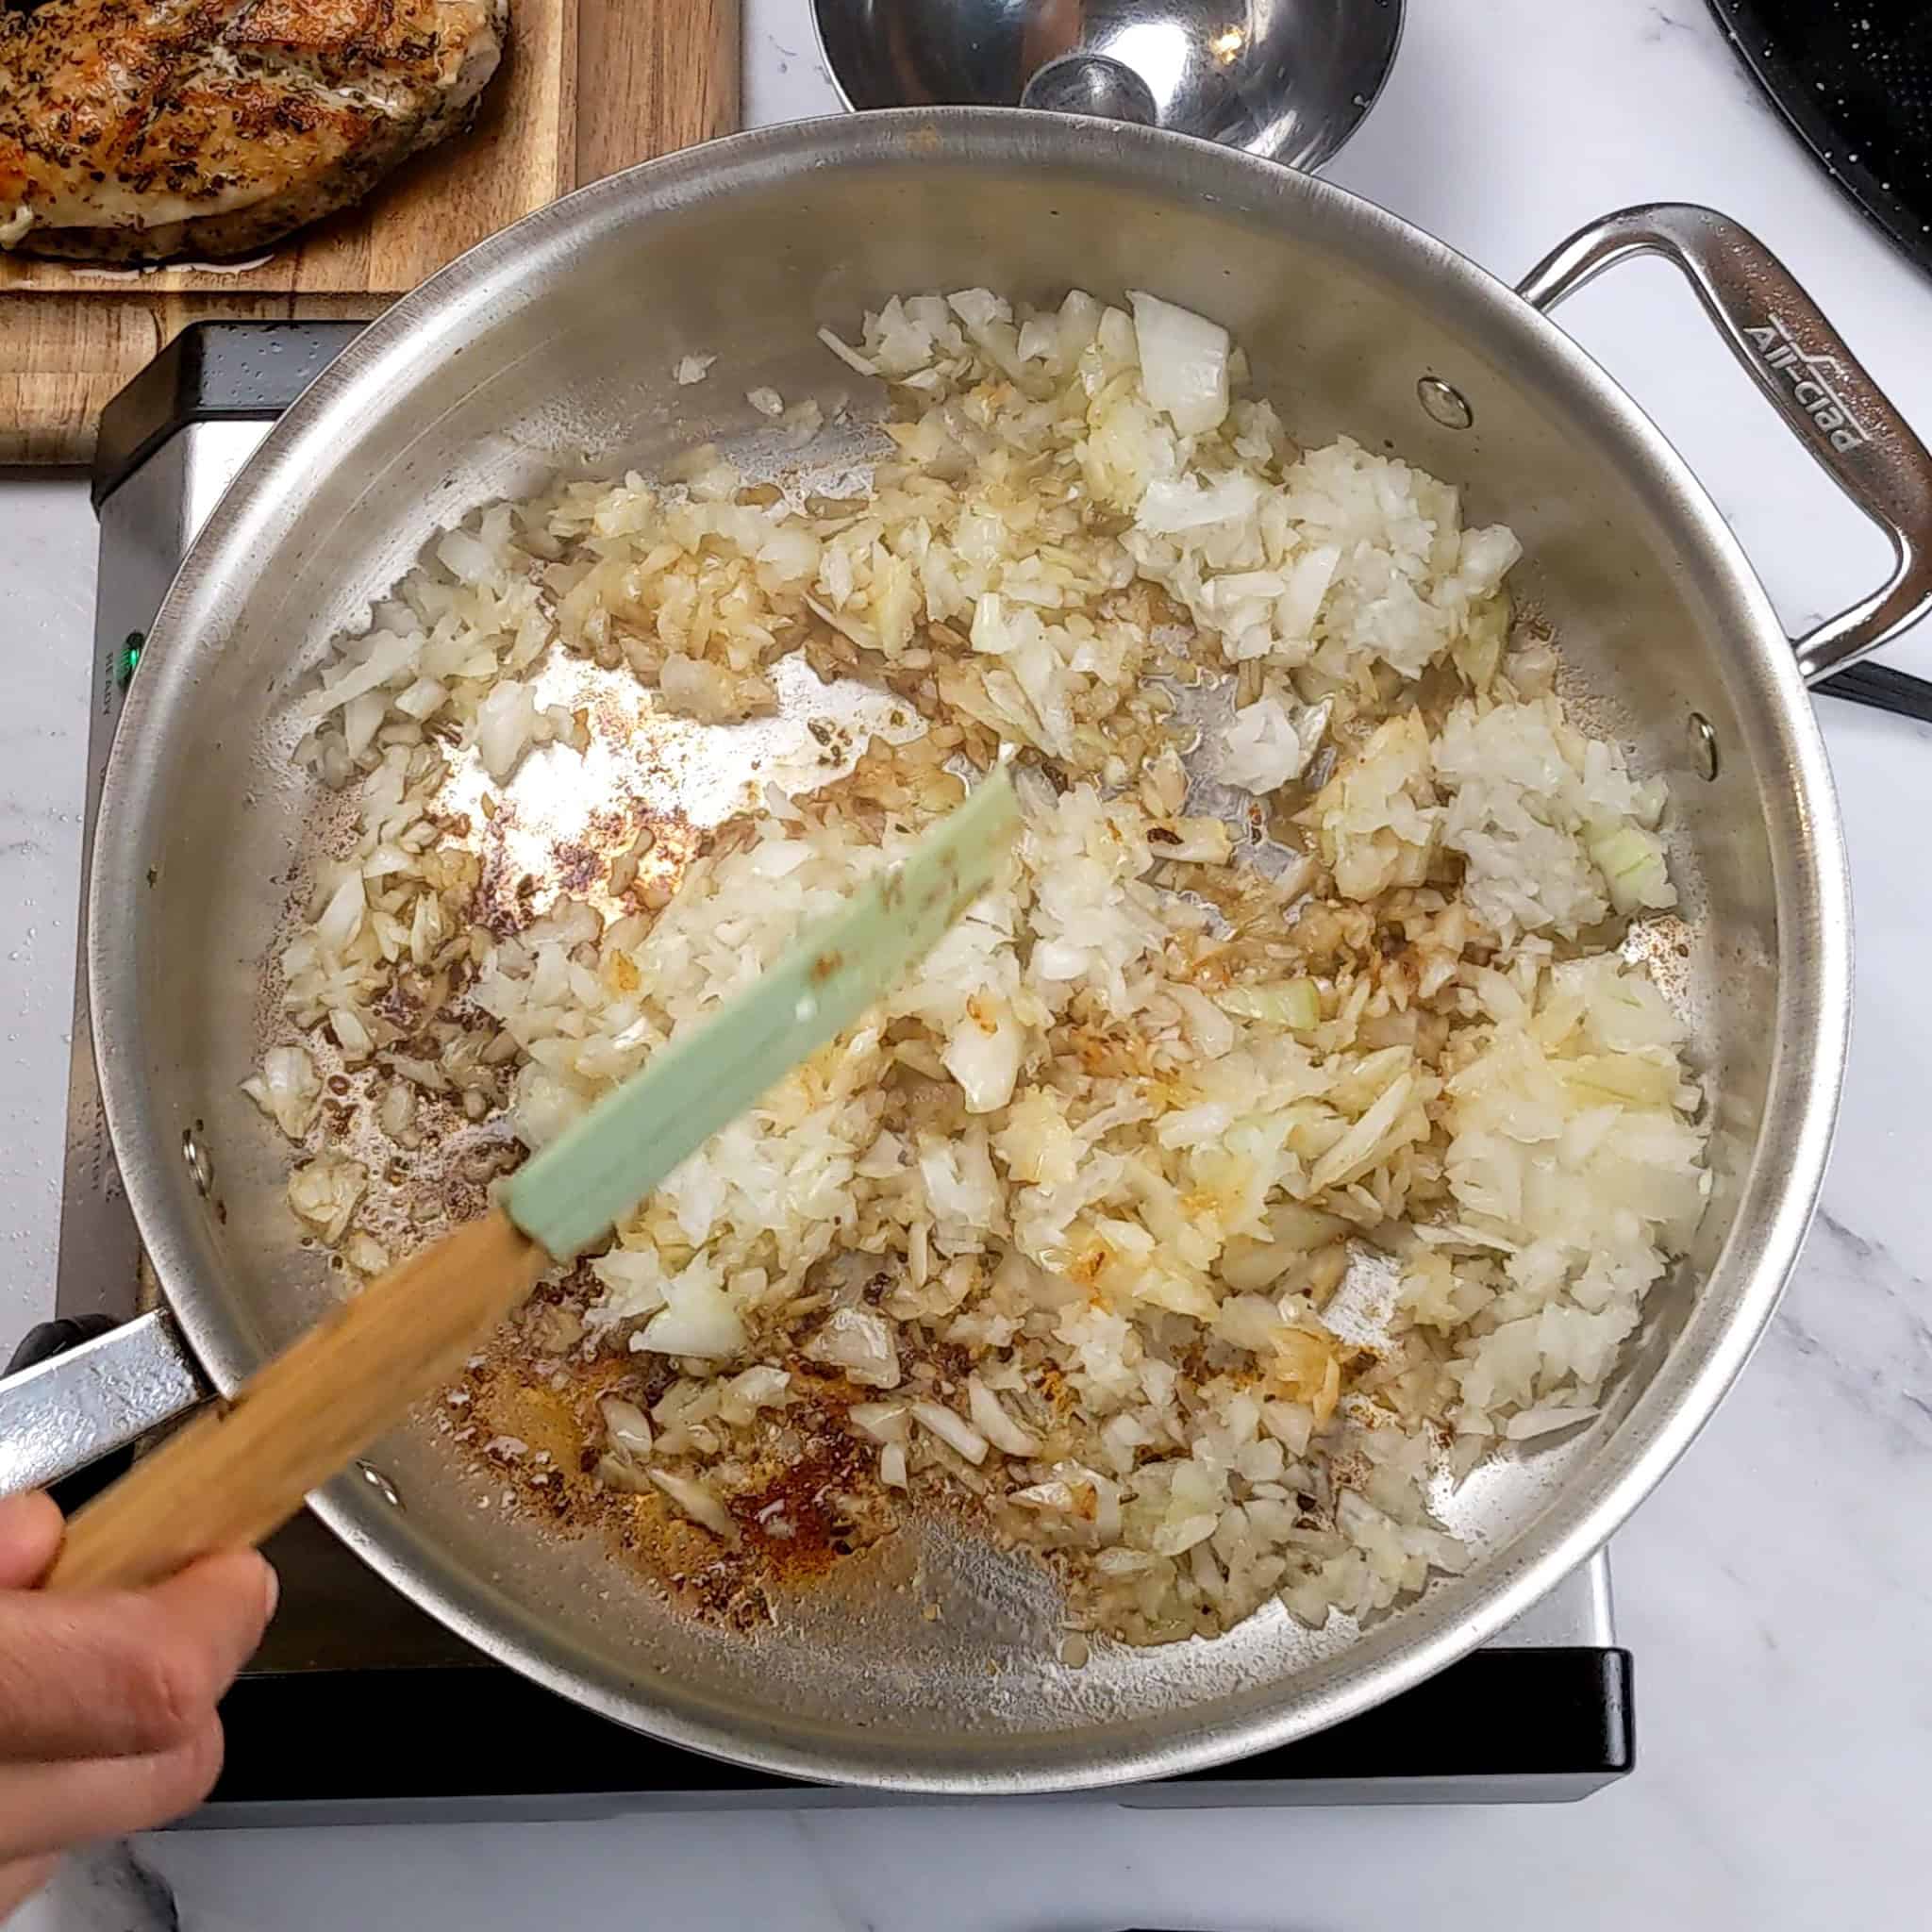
1364, 1143
384, 657
354, 1039
994, 1423
422, 699
859, 1340
423, 1074
1138, 1242
323, 1192
1183, 363
697, 1318
1292, 1424
884, 1422
1209, 1030
850, 357
1296, 1004
954, 1434
699, 1502
763, 1387
361, 719
629, 1427
1632, 863
1265, 746
1199, 841
984, 1053
1173, 504
1529, 1423
466, 557
506, 723
1249, 1264
364, 1253
287, 1089
1179, 1534
1056, 1494
619, 1472
696, 688
341, 918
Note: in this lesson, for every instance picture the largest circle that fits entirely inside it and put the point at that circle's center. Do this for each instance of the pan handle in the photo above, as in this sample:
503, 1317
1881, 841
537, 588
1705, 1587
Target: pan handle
1813, 381
72, 1407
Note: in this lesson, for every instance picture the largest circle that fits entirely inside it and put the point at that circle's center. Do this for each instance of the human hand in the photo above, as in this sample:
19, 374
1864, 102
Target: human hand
107, 1698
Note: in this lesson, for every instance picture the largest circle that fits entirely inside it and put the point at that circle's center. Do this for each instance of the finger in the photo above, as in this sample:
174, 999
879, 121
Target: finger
29, 1535
126, 1674
53, 1808
20, 1880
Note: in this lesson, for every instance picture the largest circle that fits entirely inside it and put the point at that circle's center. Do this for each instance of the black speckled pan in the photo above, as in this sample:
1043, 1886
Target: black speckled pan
1854, 77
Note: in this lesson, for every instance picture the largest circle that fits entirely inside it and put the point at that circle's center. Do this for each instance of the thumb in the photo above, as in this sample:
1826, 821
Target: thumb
30, 1528
20, 1880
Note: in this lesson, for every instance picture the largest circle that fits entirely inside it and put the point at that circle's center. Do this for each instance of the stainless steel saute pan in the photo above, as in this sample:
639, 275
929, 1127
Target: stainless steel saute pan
555, 343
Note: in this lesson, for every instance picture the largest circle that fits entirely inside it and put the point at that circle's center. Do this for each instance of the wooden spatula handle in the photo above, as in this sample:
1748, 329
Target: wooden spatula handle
230, 1476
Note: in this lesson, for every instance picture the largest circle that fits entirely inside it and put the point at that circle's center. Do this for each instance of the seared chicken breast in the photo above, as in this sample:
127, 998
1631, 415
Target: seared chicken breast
132, 130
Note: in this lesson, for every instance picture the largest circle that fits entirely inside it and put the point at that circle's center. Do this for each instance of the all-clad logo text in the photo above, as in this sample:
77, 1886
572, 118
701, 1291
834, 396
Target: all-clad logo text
1811, 378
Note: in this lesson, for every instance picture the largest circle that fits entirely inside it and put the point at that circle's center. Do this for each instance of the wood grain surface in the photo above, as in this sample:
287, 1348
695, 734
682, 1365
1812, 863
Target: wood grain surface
587, 87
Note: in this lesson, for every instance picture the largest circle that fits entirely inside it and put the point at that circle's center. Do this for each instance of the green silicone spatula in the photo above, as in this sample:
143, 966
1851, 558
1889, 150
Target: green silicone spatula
230, 1477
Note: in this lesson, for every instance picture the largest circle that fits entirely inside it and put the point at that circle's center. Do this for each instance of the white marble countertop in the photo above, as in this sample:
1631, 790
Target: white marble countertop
1775, 1591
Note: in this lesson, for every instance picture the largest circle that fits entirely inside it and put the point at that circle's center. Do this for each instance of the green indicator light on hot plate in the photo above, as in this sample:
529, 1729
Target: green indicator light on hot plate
128, 656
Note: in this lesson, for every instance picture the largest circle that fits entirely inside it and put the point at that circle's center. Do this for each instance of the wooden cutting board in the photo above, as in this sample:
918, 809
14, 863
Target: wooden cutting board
586, 88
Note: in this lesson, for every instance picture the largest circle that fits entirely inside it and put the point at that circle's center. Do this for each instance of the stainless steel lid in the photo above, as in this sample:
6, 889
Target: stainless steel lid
1289, 80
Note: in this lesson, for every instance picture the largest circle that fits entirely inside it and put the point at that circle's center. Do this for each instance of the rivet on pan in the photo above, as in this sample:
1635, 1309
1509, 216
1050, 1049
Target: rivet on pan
1703, 747
380, 1484
199, 1165
1446, 406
